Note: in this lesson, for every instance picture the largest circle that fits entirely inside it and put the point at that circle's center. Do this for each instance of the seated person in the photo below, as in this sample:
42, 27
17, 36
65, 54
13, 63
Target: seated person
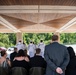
25, 51
4, 63
20, 60
37, 60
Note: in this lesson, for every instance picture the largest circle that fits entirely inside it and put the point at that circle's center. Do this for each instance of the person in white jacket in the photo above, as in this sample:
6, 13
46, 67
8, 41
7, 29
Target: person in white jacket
31, 49
19, 45
41, 45
24, 46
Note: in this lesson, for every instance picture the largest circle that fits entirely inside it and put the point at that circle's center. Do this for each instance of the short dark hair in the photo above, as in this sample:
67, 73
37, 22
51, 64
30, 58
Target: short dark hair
19, 40
3, 52
20, 53
31, 42
25, 51
15, 49
55, 37
41, 40
38, 50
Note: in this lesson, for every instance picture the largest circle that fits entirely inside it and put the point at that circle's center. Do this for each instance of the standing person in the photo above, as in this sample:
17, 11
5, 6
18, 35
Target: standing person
13, 55
34, 45
19, 45
41, 45
24, 46
25, 51
57, 57
71, 68
31, 49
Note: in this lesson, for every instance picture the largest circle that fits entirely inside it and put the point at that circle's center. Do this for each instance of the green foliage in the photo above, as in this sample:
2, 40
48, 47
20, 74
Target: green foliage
9, 39
1, 44
36, 37
68, 38
12, 38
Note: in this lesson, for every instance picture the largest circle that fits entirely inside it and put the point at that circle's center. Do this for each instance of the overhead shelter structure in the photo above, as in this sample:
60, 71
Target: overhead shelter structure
37, 16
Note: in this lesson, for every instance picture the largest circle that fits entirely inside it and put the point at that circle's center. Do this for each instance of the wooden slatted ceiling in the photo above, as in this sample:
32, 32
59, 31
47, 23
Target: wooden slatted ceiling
38, 2
38, 28
38, 22
26, 24
36, 17
58, 23
18, 23
2, 27
6, 31
71, 29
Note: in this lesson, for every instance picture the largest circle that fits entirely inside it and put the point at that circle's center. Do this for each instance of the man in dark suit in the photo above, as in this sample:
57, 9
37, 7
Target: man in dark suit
12, 55
37, 60
57, 57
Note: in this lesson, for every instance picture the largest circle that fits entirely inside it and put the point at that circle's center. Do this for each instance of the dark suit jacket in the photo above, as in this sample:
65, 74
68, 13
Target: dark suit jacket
12, 55
37, 61
56, 55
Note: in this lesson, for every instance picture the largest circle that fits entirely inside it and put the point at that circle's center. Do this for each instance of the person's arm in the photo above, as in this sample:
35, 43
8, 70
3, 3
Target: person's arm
8, 61
26, 59
66, 60
49, 62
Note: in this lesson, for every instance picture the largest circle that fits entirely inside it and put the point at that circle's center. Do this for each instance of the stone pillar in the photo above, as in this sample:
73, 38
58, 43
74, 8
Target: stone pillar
19, 37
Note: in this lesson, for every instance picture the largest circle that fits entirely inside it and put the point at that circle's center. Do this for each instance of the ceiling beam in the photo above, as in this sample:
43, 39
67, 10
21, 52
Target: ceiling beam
67, 25
57, 9
19, 9
8, 25
37, 9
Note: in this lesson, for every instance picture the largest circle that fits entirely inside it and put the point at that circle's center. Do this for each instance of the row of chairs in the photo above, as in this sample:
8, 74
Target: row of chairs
23, 71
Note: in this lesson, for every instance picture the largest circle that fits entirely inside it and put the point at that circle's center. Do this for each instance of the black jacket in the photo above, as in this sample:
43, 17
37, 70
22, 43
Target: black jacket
37, 61
12, 55
71, 68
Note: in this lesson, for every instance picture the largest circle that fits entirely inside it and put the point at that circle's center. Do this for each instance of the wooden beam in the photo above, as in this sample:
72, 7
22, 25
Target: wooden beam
8, 25
19, 9
57, 9
37, 9
67, 25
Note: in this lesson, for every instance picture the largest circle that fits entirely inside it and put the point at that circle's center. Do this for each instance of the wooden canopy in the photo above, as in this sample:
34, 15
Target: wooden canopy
37, 16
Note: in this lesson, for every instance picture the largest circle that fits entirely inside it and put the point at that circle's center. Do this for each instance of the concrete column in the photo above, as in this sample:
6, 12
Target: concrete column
19, 37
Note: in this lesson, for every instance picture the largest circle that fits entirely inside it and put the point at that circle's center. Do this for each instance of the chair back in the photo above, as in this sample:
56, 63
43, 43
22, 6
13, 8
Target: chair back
37, 71
4, 71
18, 71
